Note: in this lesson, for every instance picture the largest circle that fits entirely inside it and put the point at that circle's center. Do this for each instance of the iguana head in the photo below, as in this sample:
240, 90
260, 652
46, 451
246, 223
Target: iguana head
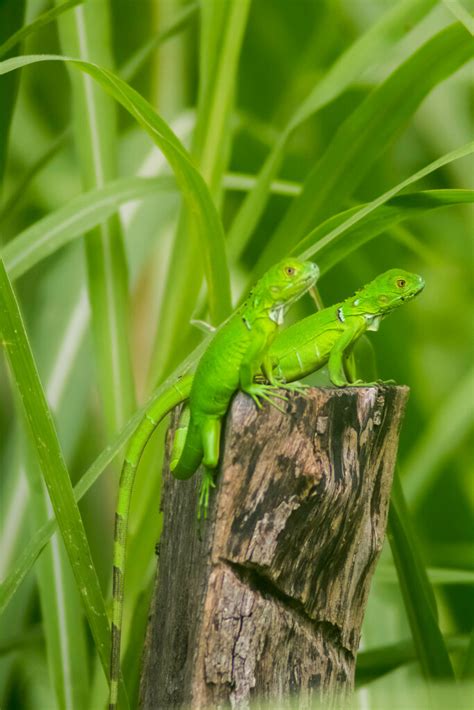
387, 291
288, 280
283, 284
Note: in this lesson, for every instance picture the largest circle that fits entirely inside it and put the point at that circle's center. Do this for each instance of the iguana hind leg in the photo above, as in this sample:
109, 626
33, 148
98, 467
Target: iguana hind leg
211, 434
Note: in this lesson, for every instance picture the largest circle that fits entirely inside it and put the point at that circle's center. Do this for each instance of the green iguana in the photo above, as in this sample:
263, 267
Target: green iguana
329, 336
234, 356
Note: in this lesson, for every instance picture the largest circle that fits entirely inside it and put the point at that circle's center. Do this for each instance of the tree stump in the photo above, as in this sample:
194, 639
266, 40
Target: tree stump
270, 600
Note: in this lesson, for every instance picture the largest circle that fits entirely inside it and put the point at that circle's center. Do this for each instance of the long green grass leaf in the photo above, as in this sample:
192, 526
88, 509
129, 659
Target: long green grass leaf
127, 71
86, 33
416, 590
188, 178
461, 14
50, 458
331, 245
365, 134
327, 240
60, 604
222, 29
365, 52
81, 214
30, 553
43, 19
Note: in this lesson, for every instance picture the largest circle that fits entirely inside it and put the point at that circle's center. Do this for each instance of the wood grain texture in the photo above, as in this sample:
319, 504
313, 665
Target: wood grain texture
270, 601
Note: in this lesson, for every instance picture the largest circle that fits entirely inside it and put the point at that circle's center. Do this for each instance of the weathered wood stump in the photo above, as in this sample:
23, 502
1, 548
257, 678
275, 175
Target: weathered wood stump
270, 601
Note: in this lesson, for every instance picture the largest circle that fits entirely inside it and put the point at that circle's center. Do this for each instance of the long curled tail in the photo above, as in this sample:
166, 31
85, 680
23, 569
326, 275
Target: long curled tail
147, 426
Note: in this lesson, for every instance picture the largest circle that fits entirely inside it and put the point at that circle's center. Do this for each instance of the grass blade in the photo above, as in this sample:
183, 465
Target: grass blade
416, 590
127, 71
40, 21
44, 439
81, 214
85, 33
188, 178
331, 245
366, 51
365, 134
325, 241
461, 14
222, 29
60, 606
30, 553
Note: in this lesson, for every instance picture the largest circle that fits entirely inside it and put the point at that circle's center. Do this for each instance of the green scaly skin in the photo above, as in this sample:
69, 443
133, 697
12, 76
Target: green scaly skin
235, 355
224, 367
329, 335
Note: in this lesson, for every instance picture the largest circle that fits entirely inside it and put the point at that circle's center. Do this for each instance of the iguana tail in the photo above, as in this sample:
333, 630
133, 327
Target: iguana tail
187, 456
153, 416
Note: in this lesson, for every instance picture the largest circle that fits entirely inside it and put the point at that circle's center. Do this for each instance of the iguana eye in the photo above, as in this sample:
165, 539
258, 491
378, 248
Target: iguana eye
401, 283
290, 270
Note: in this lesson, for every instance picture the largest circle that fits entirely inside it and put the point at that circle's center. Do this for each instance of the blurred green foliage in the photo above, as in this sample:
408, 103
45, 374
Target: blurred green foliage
287, 48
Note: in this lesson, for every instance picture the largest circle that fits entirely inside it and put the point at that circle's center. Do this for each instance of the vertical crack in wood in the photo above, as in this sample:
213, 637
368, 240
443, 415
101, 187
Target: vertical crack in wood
271, 601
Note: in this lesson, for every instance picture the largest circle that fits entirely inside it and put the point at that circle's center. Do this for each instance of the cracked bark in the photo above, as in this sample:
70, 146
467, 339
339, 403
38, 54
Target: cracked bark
270, 601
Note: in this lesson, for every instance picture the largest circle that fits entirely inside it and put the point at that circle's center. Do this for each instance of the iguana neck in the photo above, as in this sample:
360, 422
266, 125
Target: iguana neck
258, 307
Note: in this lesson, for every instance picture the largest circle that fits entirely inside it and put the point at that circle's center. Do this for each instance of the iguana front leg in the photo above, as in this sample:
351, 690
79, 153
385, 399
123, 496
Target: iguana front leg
276, 381
253, 360
338, 361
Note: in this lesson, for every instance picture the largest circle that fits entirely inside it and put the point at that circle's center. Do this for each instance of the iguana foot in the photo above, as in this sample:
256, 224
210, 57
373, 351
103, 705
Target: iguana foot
265, 392
206, 484
298, 387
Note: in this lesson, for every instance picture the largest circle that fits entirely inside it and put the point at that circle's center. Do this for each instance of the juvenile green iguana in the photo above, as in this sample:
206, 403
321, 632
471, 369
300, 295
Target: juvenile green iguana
329, 336
234, 356
326, 336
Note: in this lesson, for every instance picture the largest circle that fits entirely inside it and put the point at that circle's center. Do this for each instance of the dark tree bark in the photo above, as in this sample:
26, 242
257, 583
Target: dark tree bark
271, 601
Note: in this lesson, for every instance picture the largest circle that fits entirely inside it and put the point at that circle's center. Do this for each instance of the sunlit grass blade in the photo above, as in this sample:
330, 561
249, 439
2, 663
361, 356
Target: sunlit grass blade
376, 662
44, 440
85, 33
30, 553
127, 71
188, 178
417, 592
79, 215
330, 245
41, 21
222, 29
460, 13
327, 241
446, 429
60, 604
366, 51
365, 134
